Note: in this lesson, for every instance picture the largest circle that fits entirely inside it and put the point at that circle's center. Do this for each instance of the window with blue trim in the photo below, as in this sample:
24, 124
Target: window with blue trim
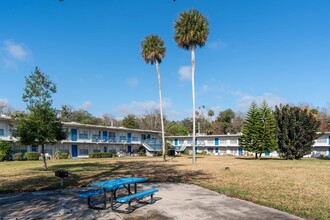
2, 132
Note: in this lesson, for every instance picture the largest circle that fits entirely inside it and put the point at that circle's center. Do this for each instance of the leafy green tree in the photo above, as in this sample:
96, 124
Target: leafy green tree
191, 30
225, 119
259, 130
6, 149
131, 121
41, 125
297, 131
175, 129
210, 114
153, 51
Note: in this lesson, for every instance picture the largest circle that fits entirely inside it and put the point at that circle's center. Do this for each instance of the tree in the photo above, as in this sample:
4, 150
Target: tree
152, 121
131, 121
41, 125
153, 51
175, 129
5, 107
210, 114
259, 130
6, 149
297, 130
225, 119
191, 30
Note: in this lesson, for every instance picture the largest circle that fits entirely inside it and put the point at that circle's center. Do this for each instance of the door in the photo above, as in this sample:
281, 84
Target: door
240, 151
196, 142
216, 141
104, 149
105, 136
74, 150
329, 153
34, 148
129, 137
129, 149
73, 134
216, 150
176, 143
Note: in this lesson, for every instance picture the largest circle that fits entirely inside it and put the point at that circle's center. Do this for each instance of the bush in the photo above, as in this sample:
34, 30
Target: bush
186, 151
64, 156
100, 155
18, 156
2, 156
32, 155
204, 152
6, 148
170, 152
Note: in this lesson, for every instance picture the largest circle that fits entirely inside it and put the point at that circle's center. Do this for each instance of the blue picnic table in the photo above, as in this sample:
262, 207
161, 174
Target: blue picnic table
113, 185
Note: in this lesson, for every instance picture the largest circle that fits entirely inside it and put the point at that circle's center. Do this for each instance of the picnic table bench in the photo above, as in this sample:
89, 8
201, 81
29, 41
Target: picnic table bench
111, 186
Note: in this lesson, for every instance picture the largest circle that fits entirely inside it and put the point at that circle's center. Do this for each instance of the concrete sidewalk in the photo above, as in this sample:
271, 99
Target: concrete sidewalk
174, 201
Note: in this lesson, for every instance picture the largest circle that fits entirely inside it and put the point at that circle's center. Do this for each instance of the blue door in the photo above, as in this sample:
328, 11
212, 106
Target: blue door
129, 149
216, 150
195, 141
216, 141
148, 137
105, 136
129, 137
73, 134
329, 153
104, 149
240, 151
74, 150
176, 143
267, 154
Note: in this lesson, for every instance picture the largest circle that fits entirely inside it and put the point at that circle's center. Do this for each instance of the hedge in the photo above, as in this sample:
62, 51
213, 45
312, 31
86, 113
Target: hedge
64, 156
100, 155
18, 156
2, 156
32, 155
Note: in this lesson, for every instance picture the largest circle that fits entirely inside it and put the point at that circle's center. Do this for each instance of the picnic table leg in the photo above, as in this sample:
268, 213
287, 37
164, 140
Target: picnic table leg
135, 188
111, 198
129, 189
105, 197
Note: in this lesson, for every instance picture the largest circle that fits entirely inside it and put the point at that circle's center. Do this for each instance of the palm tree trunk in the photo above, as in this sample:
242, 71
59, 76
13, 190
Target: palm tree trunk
193, 101
44, 164
161, 110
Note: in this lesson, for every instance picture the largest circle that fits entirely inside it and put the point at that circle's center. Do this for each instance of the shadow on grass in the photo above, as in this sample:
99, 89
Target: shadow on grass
82, 174
262, 158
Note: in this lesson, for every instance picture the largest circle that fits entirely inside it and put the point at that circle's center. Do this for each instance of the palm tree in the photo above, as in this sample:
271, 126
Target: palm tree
153, 51
191, 30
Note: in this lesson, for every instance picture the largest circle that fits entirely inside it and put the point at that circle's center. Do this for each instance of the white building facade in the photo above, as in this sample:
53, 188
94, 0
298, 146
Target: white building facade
228, 145
83, 139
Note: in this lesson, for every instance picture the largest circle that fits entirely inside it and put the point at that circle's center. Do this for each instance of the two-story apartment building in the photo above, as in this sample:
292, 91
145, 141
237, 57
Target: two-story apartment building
83, 139
229, 145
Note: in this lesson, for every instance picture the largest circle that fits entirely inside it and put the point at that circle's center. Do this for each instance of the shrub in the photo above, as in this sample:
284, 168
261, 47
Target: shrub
170, 152
186, 151
204, 152
2, 156
64, 156
32, 155
18, 156
6, 148
100, 155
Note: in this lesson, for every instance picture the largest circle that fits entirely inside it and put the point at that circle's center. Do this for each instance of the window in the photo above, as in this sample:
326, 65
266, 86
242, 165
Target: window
322, 140
34, 148
223, 142
122, 136
20, 149
135, 137
63, 149
83, 134
83, 150
2, 132
233, 141
49, 150
112, 136
96, 149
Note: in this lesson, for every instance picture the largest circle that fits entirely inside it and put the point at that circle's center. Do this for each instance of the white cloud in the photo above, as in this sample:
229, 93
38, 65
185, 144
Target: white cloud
185, 73
133, 81
139, 108
15, 50
244, 100
86, 105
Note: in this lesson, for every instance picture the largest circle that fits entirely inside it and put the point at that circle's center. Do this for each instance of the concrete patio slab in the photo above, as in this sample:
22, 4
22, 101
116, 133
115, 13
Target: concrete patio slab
173, 201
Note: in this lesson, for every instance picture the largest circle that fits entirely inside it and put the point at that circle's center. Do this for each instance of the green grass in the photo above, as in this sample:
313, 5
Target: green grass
298, 187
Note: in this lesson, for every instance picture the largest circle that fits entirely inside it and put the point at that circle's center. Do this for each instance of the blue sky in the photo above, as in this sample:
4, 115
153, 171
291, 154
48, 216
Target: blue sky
273, 50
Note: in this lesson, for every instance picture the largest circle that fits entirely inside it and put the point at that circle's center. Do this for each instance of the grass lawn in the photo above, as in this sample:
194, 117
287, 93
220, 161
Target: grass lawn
299, 187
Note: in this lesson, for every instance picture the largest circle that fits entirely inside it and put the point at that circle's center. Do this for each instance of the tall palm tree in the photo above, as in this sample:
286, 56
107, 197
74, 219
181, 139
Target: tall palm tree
153, 51
191, 30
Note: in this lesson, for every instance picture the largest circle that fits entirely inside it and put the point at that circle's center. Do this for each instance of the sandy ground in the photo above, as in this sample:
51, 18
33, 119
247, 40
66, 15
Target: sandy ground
173, 201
